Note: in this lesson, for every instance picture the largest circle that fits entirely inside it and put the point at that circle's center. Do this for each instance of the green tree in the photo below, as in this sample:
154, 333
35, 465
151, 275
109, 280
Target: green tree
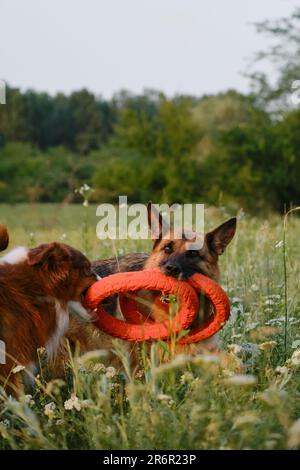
283, 56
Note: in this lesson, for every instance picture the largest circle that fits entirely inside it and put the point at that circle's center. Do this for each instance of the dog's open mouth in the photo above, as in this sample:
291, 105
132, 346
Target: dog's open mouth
183, 276
80, 308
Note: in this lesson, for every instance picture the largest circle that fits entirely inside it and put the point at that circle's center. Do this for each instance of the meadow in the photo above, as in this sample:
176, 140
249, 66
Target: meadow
188, 402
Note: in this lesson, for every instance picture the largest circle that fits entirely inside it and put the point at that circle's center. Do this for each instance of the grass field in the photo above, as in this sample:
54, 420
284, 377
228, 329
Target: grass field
190, 402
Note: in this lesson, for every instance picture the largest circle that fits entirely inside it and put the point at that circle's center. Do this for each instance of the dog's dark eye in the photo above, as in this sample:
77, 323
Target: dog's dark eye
168, 249
192, 253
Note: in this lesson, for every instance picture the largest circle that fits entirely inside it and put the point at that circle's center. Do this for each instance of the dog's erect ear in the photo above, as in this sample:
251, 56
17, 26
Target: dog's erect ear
4, 238
154, 221
220, 237
157, 224
54, 256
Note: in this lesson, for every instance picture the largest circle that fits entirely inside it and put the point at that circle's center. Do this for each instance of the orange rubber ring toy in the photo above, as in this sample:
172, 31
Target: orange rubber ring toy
201, 284
137, 327
133, 281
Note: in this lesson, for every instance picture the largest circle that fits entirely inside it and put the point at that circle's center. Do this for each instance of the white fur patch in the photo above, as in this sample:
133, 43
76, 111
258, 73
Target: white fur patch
15, 256
78, 309
62, 324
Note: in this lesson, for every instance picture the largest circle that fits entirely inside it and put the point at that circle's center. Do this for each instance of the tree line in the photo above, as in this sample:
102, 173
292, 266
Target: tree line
229, 148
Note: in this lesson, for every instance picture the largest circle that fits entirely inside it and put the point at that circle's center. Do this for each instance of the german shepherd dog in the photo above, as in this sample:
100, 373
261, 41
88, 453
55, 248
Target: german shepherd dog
180, 257
173, 257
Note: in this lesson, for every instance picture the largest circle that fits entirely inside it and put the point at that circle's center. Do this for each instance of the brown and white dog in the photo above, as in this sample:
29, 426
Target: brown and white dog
38, 287
174, 258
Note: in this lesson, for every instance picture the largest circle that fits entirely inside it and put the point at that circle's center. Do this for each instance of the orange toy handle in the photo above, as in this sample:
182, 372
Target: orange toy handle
221, 305
201, 284
133, 281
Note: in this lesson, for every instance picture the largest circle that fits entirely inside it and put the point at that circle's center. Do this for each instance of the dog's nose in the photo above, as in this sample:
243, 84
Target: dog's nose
172, 269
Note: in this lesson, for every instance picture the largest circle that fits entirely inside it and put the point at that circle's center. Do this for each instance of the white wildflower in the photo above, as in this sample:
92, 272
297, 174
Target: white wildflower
110, 372
242, 380
268, 310
73, 402
279, 244
85, 187
254, 287
28, 399
282, 370
186, 377
115, 386
85, 191
275, 321
49, 409
5, 423
139, 374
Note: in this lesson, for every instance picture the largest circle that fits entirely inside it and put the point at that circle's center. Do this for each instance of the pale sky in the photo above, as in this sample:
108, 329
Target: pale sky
177, 46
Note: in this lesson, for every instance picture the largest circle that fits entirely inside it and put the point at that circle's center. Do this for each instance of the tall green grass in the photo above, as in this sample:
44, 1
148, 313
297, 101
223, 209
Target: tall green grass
199, 402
